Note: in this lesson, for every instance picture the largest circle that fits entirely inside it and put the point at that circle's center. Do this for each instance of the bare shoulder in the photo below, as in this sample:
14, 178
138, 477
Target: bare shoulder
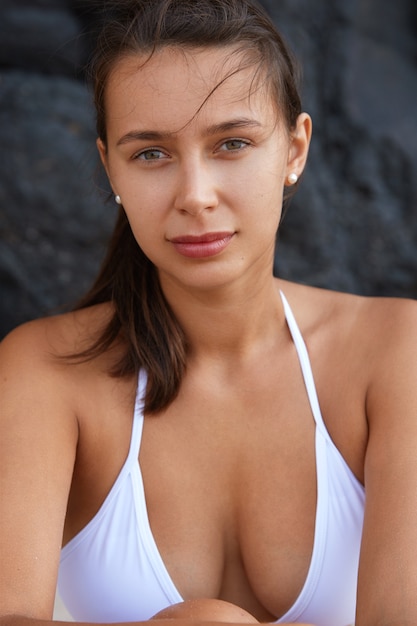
370, 341
392, 325
379, 321
382, 315
387, 327
43, 342
33, 359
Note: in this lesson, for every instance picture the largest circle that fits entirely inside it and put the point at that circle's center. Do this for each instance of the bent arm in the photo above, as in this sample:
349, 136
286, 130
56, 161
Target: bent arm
26, 621
38, 438
387, 585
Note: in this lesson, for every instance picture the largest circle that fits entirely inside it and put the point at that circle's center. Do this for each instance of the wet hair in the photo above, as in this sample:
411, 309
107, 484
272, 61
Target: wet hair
142, 319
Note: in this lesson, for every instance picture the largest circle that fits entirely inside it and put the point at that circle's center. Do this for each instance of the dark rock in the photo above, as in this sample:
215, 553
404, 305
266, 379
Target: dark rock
40, 37
53, 218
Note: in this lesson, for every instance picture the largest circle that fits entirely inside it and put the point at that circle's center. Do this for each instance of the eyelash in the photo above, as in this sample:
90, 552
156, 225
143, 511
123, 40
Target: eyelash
244, 144
142, 155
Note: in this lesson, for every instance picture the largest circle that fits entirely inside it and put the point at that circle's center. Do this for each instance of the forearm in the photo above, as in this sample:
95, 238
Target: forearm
20, 620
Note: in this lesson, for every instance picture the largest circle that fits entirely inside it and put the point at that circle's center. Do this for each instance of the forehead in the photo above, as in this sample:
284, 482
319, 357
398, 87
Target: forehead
174, 85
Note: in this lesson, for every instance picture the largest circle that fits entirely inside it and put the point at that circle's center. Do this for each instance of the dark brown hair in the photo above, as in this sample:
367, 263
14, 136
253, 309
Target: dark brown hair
142, 318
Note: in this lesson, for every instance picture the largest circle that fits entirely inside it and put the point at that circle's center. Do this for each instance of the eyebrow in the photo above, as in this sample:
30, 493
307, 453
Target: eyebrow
214, 129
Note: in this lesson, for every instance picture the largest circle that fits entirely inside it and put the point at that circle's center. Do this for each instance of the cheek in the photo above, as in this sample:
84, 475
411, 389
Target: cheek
148, 243
263, 203
145, 224
146, 204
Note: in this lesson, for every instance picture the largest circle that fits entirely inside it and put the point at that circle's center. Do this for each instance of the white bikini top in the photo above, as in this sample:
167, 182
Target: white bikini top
112, 570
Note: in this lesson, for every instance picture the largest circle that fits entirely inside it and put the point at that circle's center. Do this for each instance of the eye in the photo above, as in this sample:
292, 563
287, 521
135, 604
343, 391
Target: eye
151, 154
233, 145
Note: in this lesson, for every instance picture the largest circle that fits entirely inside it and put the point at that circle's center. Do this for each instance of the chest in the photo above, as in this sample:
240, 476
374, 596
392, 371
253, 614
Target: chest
229, 477
231, 497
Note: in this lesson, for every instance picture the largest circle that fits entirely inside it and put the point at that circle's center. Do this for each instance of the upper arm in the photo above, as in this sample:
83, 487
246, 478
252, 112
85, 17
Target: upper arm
387, 587
38, 435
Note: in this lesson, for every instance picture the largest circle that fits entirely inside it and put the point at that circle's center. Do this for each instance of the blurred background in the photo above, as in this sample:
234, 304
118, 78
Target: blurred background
352, 225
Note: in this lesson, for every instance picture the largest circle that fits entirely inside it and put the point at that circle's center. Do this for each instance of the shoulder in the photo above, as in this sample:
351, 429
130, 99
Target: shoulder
35, 353
27, 348
44, 396
374, 319
387, 328
392, 324
372, 339
57, 335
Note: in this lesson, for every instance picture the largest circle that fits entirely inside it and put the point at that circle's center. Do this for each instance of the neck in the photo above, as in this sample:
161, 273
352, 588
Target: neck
230, 322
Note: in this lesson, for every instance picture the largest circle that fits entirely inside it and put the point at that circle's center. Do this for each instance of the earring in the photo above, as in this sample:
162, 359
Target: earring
292, 178
118, 199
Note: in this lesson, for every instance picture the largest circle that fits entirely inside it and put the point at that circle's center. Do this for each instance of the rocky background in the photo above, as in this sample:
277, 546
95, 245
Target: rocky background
353, 223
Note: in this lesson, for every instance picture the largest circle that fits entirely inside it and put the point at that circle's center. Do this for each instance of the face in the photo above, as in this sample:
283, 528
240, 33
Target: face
201, 184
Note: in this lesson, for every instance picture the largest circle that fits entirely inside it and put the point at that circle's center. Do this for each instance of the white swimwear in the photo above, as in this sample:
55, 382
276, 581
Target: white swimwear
112, 570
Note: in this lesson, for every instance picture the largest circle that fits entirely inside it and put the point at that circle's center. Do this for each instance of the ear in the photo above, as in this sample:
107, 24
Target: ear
102, 150
299, 145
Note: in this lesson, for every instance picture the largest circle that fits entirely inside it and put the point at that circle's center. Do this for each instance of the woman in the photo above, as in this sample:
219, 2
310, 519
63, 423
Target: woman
274, 423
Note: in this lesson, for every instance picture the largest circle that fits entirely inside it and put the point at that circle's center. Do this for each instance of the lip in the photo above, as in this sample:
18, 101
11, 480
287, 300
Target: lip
201, 246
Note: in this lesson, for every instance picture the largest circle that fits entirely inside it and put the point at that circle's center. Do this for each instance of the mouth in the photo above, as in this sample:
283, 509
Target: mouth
201, 246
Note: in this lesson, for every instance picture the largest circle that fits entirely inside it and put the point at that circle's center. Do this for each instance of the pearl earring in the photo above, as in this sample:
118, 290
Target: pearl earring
118, 199
292, 178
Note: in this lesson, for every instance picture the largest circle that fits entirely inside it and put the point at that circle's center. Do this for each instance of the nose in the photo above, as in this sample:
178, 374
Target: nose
196, 187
